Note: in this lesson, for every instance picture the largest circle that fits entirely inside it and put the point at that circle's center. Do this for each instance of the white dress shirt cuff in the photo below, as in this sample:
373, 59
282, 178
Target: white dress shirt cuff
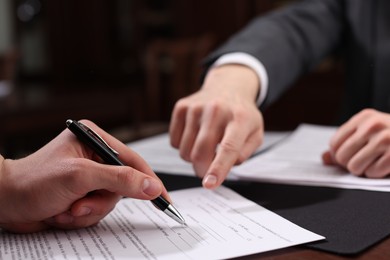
253, 63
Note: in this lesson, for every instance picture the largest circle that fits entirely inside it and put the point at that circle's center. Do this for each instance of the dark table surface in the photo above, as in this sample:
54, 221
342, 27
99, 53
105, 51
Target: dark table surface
296, 202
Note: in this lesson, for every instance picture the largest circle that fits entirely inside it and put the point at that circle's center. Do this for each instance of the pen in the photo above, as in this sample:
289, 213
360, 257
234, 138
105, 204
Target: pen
110, 156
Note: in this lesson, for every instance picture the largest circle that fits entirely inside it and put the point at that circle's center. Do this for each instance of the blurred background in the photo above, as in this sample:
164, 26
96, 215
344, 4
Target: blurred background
123, 64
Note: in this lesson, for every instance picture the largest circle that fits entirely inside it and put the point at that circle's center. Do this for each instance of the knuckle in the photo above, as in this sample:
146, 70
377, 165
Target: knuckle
215, 108
217, 103
181, 107
229, 146
241, 116
197, 157
125, 175
340, 159
380, 168
384, 139
185, 156
242, 113
354, 168
73, 176
374, 126
194, 111
244, 117
74, 168
181, 104
367, 112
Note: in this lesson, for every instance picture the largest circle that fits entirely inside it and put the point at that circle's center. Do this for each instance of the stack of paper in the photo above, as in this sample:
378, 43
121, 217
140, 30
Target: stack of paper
297, 160
283, 158
163, 158
220, 224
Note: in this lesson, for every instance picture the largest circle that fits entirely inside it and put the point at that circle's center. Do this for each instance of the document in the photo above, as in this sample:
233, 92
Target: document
220, 224
163, 158
284, 157
297, 160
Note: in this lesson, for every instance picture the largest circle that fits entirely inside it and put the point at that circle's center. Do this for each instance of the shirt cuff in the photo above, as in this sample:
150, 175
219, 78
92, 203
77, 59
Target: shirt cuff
251, 62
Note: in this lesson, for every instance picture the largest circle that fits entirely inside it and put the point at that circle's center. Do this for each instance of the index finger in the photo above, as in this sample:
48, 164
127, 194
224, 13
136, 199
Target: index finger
177, 125
126, 155
226, 156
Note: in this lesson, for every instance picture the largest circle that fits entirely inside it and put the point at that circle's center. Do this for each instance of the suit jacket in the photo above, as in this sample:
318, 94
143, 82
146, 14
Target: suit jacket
291, 41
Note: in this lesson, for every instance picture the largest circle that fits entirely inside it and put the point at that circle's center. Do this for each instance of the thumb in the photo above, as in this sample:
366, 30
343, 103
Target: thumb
123, 180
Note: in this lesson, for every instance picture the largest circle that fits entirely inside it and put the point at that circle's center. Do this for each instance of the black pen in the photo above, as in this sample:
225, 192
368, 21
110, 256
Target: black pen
110, 156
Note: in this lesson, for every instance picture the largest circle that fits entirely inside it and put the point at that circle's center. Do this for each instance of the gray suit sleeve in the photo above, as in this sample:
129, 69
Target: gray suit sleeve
290, 41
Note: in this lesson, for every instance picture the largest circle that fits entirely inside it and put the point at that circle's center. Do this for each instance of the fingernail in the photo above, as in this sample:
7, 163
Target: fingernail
151, 187
210, 181
83, 211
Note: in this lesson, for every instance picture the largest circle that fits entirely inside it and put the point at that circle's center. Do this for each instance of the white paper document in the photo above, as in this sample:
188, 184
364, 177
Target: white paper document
220, 224
297, 160
290, 158
163, 158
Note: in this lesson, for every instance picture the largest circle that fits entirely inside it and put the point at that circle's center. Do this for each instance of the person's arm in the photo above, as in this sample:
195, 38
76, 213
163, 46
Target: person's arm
289, 41
220, 125
65, 185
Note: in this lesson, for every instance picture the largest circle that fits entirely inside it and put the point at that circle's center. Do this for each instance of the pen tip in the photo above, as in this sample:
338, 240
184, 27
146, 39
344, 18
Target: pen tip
68, 122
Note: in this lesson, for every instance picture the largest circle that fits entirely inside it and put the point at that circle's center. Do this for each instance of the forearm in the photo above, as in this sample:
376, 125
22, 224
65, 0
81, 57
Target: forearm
233, 78
289, 41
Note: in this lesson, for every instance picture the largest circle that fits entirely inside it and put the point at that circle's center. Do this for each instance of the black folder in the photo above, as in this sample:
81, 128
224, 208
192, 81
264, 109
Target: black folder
351, 220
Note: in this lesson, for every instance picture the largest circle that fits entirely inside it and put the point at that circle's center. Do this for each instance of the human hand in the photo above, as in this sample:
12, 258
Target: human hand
65, 185
220, 125
362, 145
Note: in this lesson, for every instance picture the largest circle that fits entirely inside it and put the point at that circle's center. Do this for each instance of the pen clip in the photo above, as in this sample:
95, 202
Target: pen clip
98, 137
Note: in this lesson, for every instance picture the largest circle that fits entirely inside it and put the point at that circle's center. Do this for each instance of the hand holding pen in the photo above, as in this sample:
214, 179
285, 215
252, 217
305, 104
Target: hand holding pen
65, 184
94, 141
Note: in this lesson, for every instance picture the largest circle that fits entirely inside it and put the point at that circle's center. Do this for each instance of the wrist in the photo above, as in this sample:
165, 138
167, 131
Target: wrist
233, 78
